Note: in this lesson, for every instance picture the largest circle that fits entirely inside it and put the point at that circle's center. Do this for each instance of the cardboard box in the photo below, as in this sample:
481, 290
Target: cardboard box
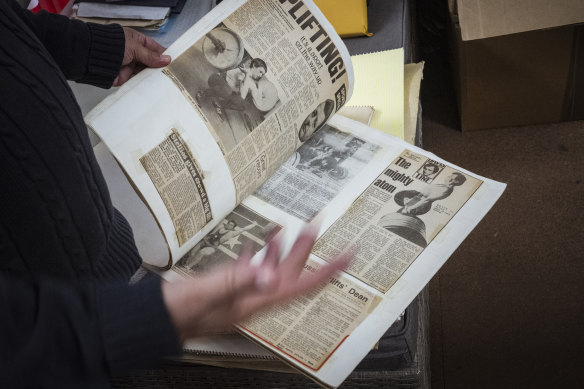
517, 63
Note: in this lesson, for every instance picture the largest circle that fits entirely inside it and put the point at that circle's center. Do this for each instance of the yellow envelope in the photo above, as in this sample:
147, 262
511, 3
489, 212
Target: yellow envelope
348, 17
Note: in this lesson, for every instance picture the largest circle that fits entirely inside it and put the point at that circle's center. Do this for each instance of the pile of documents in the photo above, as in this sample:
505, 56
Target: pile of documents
149, 14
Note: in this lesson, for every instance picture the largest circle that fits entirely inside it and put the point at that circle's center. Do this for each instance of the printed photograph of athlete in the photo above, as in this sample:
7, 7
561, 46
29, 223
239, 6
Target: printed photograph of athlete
315, 120
230, 89
428, 171
333, 155
317, 172
414, 203
225, 241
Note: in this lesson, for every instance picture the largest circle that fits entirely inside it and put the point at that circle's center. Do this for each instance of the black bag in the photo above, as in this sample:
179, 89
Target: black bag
397, 347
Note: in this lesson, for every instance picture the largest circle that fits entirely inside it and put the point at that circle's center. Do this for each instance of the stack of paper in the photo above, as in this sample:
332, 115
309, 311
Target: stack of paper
379, 82
383, 83
150, 14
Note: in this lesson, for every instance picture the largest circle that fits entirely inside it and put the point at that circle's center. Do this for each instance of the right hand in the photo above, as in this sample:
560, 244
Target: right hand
214, 301
140, 52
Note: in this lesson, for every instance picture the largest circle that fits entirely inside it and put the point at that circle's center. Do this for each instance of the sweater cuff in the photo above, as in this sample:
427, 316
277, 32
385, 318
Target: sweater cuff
106, 52
136, 326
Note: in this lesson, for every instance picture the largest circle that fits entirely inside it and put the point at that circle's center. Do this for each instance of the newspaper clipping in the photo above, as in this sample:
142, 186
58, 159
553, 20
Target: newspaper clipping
317, 172
310, 328
264, 80
242, 226
396, 217
179, 182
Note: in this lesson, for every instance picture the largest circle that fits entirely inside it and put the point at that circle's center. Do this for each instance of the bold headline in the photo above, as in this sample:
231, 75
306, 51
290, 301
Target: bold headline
190, 165
339, 284
324, 44
395, 176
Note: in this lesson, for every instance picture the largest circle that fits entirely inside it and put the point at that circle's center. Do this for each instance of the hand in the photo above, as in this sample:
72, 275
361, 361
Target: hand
140, 52
214, 301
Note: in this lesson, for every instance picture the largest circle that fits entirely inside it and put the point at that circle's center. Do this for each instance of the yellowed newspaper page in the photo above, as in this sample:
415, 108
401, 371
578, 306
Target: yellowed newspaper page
396, 217
178, 178
402, 210
327, 333
263, 81
317, 172
248, 84
310, 328
242, 226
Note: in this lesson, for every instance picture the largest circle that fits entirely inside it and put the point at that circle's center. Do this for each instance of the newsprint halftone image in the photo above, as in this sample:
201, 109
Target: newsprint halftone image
396, 217
230, 89
225, 241
317, 172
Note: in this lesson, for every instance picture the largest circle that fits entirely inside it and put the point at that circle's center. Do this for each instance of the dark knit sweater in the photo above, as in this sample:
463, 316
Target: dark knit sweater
68, 318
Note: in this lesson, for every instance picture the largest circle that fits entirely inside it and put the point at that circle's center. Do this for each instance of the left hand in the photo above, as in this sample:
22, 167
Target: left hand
140, 52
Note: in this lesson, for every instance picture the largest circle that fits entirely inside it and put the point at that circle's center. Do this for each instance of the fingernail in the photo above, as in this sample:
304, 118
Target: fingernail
165, 58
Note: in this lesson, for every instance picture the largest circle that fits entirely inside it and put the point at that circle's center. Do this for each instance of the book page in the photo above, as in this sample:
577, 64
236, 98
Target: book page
248, 85
217, 347
391, 265
403, 210
178, 179
317, 172
396, 217
267, 77
309, 328
449, 219
223, 244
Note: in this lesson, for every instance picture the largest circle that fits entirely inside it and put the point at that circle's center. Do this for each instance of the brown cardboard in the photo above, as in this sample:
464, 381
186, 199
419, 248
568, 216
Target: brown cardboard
489, 18
518, 79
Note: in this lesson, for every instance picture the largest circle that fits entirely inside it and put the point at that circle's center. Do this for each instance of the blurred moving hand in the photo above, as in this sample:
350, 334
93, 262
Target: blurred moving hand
214, 301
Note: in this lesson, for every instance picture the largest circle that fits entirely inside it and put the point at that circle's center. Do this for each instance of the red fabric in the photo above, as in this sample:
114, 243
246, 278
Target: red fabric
53, 6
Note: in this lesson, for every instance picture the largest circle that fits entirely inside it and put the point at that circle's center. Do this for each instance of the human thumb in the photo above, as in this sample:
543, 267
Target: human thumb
151, 58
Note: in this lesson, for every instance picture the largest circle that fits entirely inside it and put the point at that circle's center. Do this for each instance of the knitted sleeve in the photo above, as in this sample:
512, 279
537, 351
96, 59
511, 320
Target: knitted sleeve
57, 335
85, 52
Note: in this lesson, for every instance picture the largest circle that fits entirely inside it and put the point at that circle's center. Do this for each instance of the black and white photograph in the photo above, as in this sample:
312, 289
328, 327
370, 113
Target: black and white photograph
317, 172
333, 155
226, 240
428, 171
316, 120
414, 203
228, 87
